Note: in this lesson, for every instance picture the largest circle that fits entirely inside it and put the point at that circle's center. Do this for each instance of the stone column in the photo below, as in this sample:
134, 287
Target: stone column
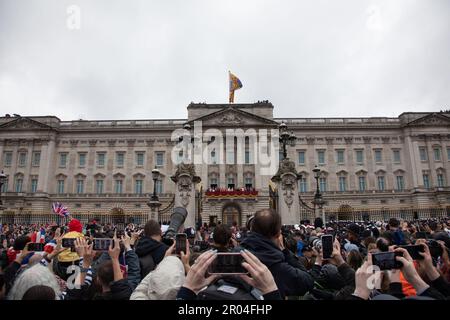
288, 199
46, 169
186, 179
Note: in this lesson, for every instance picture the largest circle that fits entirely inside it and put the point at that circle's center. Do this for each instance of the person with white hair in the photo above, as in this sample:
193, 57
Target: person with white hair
37, 275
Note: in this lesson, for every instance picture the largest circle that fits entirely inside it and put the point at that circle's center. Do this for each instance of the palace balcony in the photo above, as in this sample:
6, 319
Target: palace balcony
224, 193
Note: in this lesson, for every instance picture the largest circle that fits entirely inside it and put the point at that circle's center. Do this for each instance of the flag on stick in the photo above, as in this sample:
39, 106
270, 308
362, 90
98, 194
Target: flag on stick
60, 210
235, 84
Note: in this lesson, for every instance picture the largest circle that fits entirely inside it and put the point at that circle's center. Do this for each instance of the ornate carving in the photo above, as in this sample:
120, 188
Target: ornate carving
367, 139
131, 142
92, 142
184, 177
329, 140
431, 120
231, 118
288, 185
385, 139
184, 189
187, 169
24, 123
150, 142
348, 140
73, 143
310, 140
286, 166
112, 142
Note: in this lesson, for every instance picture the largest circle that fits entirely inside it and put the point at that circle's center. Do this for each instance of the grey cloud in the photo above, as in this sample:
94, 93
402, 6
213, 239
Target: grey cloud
149, 59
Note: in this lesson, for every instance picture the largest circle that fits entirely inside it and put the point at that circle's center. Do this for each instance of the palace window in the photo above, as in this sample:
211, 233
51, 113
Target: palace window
342, 184
160, 159
321, 157
60, 186
80, 186
340, 156
323, 184
62, 160
139, 159
99, 186
303, 185
118, 187
426, 181
400, 183
120, 156
34, 183
301, 157
440, 180
362, 183
396, 156
378, 156
7, 158
82, 160
437, 154
138, 186
101, 159
359, 156
36, 159
381, 183
423, 154
22, 159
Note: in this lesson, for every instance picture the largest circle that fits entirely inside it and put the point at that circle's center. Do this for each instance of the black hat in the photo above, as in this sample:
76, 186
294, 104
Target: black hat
353, 228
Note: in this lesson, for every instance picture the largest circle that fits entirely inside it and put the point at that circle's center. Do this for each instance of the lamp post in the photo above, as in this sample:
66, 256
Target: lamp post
154, 203
3, 178
286, 138
318, 200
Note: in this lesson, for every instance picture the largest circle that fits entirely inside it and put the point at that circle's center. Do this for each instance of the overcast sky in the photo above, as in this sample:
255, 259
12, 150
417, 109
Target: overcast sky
135, 59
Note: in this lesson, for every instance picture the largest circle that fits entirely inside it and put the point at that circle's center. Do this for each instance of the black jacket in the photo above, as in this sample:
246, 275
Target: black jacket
148, 246
291, 277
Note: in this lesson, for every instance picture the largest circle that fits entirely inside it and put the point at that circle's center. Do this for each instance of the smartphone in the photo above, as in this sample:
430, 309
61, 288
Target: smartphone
180, 243
102, 244
227, 263
34, 246
414, 250
386, 260
327, 246
68, 242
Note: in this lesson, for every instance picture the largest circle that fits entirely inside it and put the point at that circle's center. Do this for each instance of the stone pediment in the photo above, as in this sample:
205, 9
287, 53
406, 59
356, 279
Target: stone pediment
24, 123
433, 119
233, 117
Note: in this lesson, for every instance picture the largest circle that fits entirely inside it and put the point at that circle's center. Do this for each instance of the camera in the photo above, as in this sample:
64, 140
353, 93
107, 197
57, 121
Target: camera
176, 221
316, 243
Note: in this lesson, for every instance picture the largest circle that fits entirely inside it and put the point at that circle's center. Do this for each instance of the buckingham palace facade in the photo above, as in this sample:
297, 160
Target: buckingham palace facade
371, 168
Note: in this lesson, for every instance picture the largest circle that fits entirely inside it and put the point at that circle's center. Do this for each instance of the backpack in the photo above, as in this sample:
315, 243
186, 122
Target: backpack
230, 288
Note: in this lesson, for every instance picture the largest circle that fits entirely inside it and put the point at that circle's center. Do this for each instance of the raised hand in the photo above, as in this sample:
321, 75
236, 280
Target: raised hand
196, 278
114, 252
261, 277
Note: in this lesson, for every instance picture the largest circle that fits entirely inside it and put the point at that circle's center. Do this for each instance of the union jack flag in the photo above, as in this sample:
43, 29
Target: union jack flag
59, 209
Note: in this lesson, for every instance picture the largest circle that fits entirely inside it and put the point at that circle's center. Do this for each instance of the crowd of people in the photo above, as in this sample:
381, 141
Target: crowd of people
140, 262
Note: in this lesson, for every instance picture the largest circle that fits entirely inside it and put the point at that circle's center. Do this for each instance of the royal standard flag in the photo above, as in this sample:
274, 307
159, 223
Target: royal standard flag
235, 84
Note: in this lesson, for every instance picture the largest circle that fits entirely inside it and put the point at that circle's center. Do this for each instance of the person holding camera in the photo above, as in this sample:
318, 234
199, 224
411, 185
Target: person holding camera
259, 276
150, 249
266, 243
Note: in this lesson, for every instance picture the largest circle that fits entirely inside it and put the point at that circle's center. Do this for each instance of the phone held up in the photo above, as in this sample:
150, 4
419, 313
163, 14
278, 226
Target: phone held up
387, 260
327, 246
227, 263
180, 243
